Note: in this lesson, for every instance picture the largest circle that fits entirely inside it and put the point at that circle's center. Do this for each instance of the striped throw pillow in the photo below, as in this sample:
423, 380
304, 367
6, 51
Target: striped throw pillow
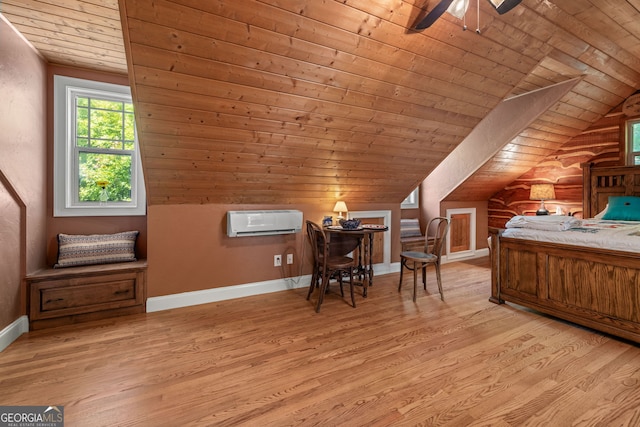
74, 250
410, 228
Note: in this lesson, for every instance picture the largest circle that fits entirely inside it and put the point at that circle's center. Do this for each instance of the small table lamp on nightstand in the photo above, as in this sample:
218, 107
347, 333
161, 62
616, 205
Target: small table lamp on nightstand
542, 192
340, 207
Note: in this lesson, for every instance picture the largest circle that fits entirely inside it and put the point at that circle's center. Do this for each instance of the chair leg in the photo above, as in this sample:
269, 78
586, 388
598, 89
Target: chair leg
424, 276
439, 281
353, 298
314, 283
415, 280
402, 265
323, 289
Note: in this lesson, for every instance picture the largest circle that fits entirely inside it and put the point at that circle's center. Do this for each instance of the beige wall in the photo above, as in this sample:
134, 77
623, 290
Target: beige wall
22, 169
188, 248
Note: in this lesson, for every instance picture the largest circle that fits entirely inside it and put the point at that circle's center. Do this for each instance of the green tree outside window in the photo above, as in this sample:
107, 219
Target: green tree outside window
105, 140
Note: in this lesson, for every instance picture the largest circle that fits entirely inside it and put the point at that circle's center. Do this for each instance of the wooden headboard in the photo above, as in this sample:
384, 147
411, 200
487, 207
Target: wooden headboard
601, 182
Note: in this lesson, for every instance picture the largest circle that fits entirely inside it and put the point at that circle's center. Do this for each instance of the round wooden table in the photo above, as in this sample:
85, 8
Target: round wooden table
344, 241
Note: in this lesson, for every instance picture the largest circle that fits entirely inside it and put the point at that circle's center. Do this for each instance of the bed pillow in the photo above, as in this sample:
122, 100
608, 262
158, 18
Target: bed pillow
623, 208
410, 228
74, 250
601, 214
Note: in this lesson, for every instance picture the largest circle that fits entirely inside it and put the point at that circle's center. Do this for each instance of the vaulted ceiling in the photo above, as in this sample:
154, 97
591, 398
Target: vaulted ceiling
292, 101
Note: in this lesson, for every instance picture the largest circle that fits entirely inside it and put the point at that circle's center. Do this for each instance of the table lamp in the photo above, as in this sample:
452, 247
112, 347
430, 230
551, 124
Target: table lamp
340, 207
542, 192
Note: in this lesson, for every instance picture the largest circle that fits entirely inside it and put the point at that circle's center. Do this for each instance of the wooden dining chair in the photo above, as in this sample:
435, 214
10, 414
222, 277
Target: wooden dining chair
327, 265
432, 254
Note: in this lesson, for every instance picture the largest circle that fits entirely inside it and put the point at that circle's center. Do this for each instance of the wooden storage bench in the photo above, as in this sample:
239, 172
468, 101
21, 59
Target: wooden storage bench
60, 296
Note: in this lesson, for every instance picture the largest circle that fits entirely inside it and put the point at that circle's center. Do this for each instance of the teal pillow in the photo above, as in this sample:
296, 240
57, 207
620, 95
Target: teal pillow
623, 208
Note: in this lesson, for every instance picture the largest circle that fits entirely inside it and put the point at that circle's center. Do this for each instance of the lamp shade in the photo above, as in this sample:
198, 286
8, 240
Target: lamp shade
458, 8
340, 207
542, 192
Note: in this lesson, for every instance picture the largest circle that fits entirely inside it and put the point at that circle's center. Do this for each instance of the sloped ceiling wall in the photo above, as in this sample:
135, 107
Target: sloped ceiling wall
289, 101
82, 33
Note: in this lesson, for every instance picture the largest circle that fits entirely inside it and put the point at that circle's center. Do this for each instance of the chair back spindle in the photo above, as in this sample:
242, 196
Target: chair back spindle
435, 235
437, 238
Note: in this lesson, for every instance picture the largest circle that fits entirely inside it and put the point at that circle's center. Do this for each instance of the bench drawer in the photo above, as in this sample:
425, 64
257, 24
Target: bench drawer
95, 292
61, 297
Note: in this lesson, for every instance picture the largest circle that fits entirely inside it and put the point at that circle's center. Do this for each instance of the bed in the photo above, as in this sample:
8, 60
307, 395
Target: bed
597, 287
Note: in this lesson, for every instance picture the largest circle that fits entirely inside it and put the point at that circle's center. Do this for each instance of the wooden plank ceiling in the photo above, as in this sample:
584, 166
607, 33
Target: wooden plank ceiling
83, 33
290, 101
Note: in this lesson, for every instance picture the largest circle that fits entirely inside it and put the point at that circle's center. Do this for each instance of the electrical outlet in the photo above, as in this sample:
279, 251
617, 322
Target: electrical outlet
277, 260
289, 258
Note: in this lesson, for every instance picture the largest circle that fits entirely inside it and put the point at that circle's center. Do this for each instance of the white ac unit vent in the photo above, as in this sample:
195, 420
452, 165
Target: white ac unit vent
263, 223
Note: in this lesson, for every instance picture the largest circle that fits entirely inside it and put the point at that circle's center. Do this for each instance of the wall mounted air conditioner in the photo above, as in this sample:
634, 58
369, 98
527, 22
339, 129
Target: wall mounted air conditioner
263, 223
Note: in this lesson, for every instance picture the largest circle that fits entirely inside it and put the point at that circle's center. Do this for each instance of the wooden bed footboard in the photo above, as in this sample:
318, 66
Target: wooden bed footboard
592, 287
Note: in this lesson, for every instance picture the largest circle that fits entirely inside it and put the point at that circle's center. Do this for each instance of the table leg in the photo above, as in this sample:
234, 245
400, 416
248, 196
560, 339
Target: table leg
362, 261
365, 267
368, 264
370, 236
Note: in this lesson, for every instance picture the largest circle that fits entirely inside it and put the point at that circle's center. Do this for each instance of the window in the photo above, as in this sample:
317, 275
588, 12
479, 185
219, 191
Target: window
633, 142
411, 201
96, 159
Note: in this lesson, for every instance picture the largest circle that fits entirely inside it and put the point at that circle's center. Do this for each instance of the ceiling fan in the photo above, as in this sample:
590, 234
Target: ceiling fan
458, 8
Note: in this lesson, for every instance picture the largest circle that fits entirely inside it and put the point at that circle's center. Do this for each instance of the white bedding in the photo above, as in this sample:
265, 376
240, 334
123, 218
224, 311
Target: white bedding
543, 222
616, 235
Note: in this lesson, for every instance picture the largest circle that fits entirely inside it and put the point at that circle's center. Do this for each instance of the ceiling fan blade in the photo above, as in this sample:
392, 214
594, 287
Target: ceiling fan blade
433, 16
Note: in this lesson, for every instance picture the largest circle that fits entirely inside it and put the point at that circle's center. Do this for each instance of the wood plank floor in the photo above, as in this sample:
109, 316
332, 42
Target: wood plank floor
270, 360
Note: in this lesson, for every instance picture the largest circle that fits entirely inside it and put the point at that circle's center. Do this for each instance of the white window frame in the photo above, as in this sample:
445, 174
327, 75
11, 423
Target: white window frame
629, 141
412, 201
65, 180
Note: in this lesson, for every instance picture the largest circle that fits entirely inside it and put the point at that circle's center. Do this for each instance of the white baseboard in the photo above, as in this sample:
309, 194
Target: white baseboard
478, 253
13, 331
205, 296
393, 268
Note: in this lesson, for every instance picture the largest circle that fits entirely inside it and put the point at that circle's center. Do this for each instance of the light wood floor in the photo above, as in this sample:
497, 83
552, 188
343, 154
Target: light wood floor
271, 360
